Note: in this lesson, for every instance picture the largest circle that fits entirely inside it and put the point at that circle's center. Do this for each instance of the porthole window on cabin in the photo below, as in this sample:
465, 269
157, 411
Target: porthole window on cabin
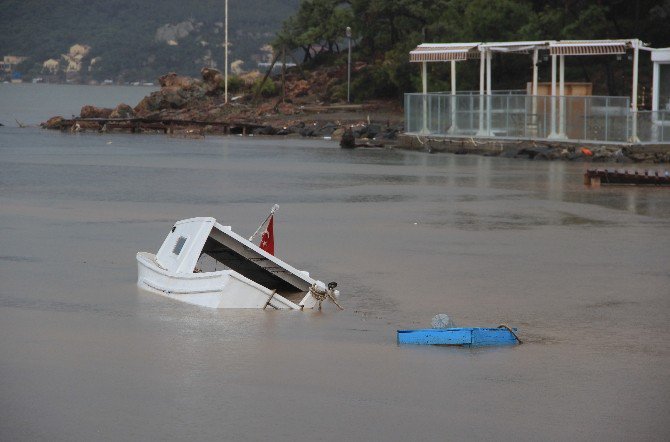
180, 244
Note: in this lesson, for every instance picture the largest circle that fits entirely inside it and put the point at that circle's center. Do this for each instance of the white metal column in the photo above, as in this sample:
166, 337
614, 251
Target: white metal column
424, 84
561, 94
424, 77
454, 126
488, 72
482, 71
534, 95
553, 134
636, 54
655, 100
633, 98
656, 83
488, 93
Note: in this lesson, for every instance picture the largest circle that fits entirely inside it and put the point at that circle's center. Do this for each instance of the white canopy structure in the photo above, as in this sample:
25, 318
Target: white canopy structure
453, 52
431, 52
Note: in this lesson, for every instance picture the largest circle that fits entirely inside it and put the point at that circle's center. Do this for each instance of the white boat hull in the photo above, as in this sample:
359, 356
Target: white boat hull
222, 289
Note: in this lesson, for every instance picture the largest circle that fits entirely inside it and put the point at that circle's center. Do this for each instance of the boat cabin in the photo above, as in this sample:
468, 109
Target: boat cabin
190, 239
243, 275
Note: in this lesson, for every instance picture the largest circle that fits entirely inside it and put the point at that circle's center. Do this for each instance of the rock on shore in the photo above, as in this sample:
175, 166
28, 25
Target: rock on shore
190, 104
539, 150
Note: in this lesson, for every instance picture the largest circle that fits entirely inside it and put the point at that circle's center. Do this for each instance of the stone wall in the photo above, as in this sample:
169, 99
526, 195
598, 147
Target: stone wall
539, 150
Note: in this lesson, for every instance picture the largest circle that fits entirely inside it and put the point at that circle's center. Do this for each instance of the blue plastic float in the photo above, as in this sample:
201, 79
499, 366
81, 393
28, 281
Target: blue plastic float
465, 336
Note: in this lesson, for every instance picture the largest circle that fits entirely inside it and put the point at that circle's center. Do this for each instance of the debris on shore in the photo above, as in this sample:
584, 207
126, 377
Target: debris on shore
189, 106
538, 150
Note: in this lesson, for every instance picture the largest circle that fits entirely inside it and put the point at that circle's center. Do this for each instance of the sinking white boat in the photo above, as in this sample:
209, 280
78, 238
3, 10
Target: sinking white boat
250, 277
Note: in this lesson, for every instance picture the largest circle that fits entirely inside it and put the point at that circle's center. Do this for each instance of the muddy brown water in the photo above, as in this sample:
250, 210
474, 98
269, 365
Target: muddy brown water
85, 355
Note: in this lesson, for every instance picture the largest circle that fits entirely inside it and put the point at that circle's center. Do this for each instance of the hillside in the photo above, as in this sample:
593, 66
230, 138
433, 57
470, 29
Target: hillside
134, 40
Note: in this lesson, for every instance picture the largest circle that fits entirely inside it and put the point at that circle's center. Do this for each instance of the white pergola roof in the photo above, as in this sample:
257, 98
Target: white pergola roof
435, 52
431, 52
514, 46
590, 47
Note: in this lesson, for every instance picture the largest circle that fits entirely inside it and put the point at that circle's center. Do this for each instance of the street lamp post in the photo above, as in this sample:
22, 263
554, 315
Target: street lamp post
225, 62
349, 67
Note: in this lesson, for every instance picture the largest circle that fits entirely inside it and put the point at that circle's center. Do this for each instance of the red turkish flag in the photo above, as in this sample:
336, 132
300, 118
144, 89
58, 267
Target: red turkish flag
268, 237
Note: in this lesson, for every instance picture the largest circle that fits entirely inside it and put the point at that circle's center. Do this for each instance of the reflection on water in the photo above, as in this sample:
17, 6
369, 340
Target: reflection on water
581, 271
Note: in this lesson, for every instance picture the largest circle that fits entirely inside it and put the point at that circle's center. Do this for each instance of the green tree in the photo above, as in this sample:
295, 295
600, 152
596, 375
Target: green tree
319, 25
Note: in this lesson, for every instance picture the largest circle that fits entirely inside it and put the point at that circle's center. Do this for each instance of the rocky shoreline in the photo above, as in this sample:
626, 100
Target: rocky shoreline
196, 107
191, 107
539, 150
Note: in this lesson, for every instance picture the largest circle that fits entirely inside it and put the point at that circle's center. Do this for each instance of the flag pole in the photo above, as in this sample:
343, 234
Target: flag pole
272, 212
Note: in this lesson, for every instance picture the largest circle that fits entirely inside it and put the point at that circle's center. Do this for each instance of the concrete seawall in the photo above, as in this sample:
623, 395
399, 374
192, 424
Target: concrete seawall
539, 150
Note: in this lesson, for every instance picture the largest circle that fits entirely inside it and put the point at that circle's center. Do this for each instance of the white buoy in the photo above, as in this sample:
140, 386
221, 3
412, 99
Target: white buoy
442, 320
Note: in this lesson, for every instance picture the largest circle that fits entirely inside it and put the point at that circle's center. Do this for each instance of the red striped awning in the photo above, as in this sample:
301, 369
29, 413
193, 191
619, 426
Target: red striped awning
602, 47
431, 53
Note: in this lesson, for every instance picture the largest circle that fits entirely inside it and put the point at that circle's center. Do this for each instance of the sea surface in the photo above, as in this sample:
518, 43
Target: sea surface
583, 273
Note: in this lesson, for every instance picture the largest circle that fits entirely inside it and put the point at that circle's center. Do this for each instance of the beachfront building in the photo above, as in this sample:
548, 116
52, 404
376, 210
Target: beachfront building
8, 67
557, 110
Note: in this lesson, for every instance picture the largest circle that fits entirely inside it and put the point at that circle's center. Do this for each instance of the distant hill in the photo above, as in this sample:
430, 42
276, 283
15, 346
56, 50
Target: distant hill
134, 40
